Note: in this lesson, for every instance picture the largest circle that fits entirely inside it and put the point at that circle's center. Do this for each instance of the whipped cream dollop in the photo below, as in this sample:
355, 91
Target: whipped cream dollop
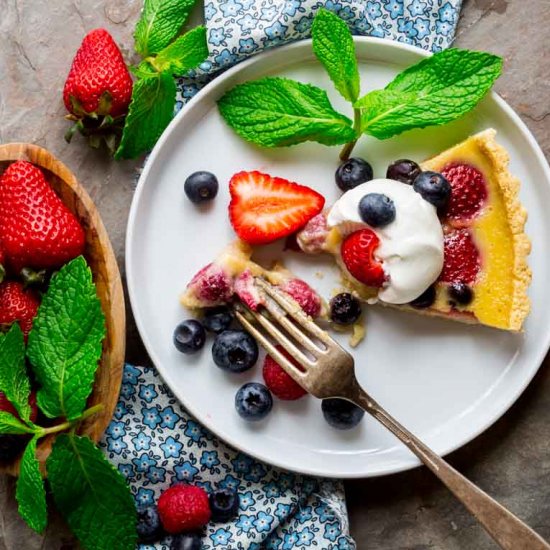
411, 246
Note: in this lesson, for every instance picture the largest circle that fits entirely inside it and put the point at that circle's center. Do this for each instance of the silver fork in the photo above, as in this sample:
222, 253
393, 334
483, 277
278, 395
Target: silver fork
327, 370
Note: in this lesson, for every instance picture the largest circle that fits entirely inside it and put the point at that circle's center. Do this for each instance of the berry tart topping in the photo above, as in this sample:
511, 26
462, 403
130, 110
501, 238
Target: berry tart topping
358, 256
352, 173
461, 293
211, 286
403, 170
426, 299
149, 528
306, 297
183, 508
311, 239
461, 258
265, 208
469, 191
341, 414
18, 304
376, 209
189, 336
345, 309
246, 290
217, 319
36, 229
235, 351
224, 503
281, 384
434, 188
201, 187
253, 401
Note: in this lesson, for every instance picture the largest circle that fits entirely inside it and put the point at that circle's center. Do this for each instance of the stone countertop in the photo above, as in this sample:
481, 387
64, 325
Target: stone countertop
411, 510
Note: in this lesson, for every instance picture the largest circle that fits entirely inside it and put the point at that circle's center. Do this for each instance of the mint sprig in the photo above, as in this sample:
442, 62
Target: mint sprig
160, 22
14, 381
30, 492
65, 341
164, 54
334, 48
435, 91
274, 112
64, 349
91, 494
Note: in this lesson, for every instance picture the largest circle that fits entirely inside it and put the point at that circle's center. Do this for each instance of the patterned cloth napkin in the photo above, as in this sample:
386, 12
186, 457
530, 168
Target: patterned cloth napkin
152, 440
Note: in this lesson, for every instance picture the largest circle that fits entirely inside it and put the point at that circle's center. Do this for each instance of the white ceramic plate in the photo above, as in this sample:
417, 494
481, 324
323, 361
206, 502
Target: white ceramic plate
445, 381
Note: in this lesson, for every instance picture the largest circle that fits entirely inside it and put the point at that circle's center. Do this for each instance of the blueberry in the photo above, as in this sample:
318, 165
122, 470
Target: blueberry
11, 446
186, 541
376, 209
224, 504
461, 293
189, 336
403, 170
201, 187
434, 188
149, 528
253, 401
345, 309
235, 350
353, 172
426, 299
217, 319
341, 414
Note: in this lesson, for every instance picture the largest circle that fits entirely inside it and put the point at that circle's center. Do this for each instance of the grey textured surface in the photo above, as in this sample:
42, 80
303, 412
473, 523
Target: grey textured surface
405, 511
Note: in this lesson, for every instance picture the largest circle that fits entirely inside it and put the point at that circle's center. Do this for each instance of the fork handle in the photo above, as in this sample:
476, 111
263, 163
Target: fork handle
505, 528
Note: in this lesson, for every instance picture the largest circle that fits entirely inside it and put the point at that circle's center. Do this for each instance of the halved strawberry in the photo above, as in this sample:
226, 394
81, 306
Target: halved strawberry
264, 208
358, 256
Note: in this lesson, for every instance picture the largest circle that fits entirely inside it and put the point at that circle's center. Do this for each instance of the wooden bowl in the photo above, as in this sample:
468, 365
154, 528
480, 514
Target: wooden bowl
101, 259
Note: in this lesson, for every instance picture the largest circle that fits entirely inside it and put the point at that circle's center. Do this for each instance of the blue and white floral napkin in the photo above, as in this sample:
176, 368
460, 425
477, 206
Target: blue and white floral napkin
152, 440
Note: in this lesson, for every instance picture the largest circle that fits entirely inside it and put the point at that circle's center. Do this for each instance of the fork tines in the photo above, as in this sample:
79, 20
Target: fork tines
282, 309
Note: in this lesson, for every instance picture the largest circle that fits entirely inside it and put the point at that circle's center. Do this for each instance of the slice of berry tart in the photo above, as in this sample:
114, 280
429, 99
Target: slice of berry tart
450, 242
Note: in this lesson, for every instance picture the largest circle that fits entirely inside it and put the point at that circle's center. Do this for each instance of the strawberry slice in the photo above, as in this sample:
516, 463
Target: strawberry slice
358, 256
264, 208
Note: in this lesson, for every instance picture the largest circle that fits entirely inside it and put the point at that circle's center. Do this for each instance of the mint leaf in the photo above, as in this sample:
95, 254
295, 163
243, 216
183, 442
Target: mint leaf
160, 22
30, 492
333, 46
276, 112
14, 381
186, 52
92, 495
11, 425
435, 91
151, 110
64, 344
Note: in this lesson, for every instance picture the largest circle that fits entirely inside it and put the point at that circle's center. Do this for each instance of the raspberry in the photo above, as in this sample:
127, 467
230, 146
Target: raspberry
183, 508
469, 191
305, 296
358, 256
212, 285
461, 258
278, 381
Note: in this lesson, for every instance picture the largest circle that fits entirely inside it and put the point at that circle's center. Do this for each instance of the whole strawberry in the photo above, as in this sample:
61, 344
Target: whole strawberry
17, 304
183, 508
36, 229
98, 88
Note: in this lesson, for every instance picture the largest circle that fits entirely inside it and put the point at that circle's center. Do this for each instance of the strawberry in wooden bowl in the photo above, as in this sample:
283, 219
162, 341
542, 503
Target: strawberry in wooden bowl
61, 289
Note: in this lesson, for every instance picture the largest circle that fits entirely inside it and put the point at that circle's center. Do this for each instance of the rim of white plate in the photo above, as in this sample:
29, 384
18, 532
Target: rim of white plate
133, 286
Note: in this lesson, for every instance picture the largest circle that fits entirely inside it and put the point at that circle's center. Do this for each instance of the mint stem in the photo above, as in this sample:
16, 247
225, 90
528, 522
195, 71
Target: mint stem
348, 147
67, 425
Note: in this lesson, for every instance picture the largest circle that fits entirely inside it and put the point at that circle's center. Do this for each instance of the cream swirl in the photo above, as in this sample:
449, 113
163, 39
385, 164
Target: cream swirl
411, 246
